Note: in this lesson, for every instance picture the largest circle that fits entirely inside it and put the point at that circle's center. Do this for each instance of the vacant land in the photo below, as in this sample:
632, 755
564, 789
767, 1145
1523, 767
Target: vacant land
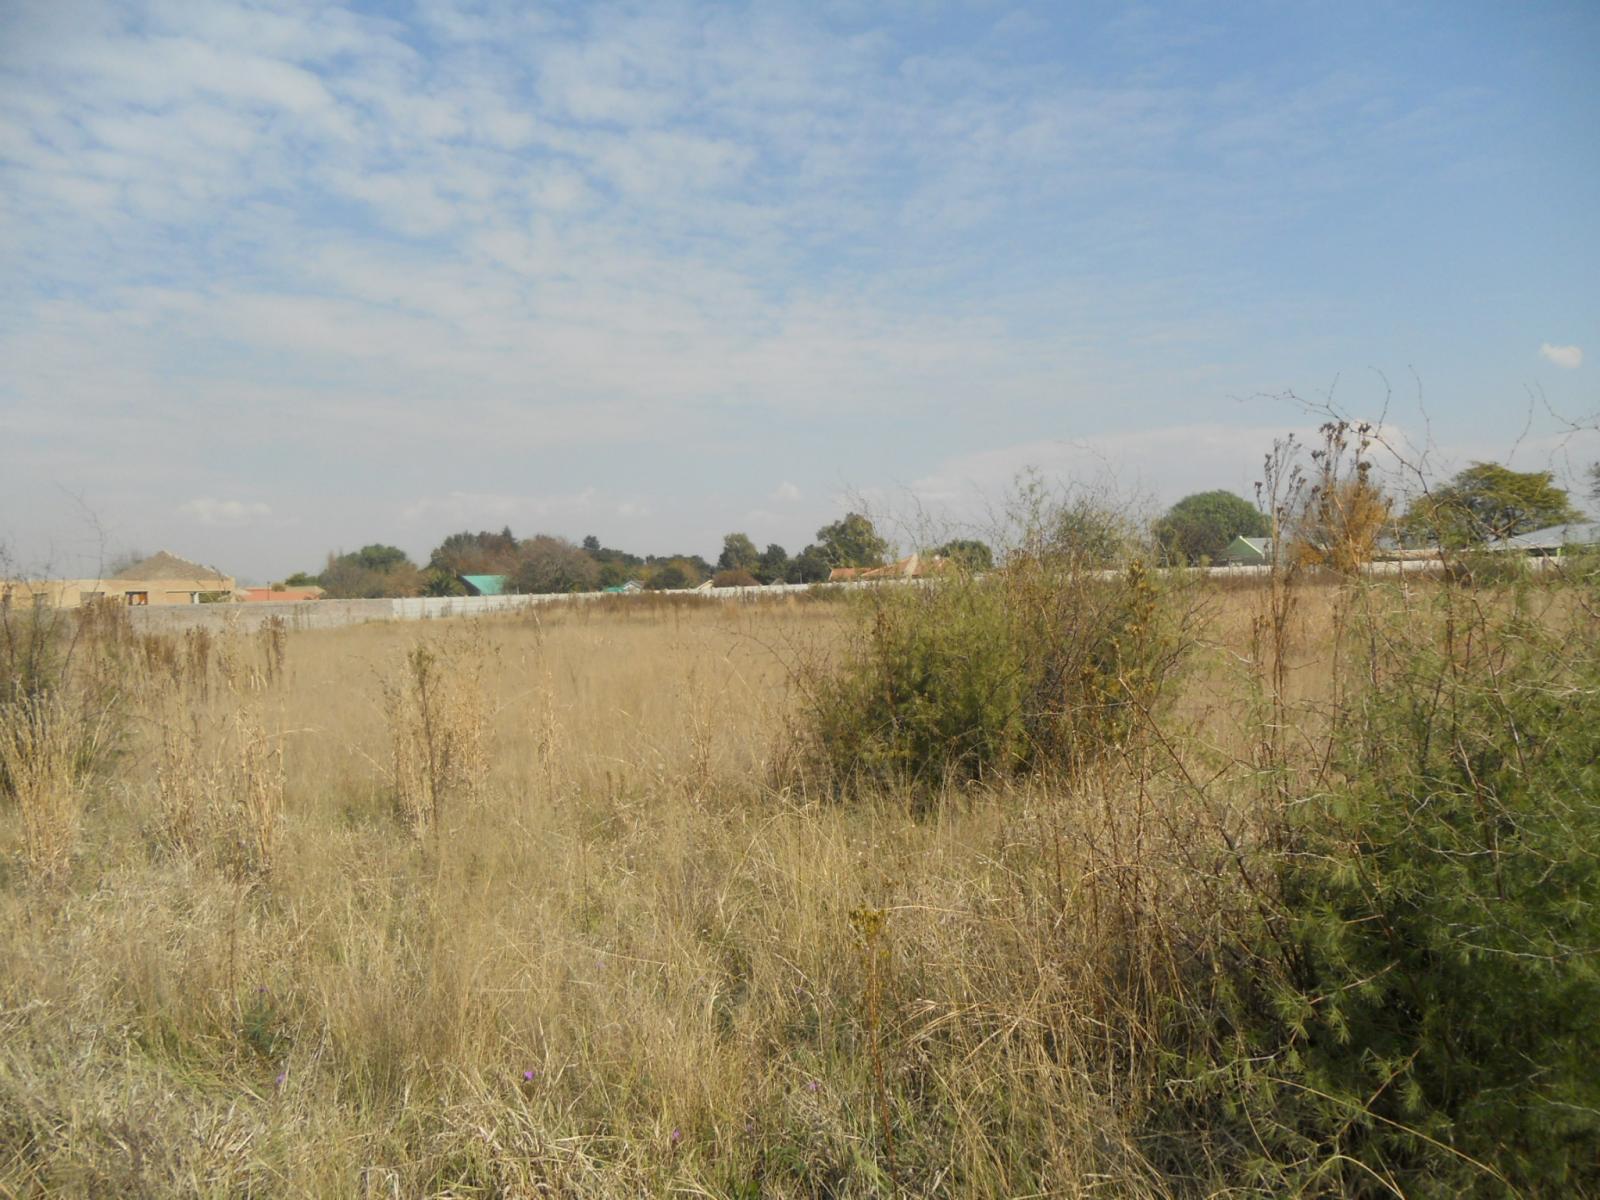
566, 907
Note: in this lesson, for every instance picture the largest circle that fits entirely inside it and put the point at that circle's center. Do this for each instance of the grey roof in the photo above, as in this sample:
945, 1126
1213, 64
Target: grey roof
1554, 537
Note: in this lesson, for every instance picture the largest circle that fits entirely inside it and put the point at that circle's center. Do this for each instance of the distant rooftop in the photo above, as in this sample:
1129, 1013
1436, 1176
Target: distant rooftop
165, 565
1554, 537
485, 585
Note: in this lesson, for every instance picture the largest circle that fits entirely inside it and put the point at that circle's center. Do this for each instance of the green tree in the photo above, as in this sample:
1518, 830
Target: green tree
811, 565
378, 557
968, 553
1198, 528
436, 581
672, 575
369, 573
548, 564
1594, 482
481, 553
852, 542
1488, 502
300, 579
739, 553
774, 567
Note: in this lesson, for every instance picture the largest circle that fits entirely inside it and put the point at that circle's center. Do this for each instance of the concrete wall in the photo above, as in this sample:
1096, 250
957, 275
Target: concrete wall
332, 614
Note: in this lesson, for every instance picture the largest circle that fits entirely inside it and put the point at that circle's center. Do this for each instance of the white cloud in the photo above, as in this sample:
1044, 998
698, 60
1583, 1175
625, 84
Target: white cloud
224, 512
786, 491
1570, 357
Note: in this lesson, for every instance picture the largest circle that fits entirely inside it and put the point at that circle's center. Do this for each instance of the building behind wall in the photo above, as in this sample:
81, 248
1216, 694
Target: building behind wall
158, 580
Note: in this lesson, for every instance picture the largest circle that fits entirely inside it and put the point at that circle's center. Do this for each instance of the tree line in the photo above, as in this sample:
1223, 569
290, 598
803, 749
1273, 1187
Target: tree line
548, 563
1336, 515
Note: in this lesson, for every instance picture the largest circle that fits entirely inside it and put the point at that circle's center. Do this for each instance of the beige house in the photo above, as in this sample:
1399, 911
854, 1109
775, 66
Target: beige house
160, 579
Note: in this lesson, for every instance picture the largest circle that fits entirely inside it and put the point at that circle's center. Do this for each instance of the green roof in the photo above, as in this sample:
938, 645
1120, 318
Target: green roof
485, 585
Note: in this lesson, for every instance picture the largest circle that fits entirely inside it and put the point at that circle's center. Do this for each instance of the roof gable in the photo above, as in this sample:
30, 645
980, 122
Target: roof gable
166, 565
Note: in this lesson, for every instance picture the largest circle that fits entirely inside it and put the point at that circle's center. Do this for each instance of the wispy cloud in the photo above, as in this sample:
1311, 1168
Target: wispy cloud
1570, 357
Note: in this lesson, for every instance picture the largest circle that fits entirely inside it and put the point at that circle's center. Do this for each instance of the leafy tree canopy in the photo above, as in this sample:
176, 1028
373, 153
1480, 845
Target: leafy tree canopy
1488, 502
436, 581
1198, 528
968, 553
548, 564
370, 572
673, 574
739, 553
481, 553
697, 569
774, 566
852, 542
811, 565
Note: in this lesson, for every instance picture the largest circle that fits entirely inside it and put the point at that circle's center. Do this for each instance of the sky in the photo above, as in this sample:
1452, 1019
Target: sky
293, 277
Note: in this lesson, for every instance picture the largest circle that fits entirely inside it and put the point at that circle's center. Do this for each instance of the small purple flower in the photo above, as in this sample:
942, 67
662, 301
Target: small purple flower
529, 1075
283, 1078
813, 1085
677, 1136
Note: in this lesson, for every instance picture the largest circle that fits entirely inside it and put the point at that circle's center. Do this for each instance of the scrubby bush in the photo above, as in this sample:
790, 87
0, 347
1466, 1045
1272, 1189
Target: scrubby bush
1036, 665
1416, 1012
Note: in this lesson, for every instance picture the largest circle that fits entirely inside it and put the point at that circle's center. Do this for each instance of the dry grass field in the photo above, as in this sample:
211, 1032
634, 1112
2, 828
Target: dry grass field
546, 908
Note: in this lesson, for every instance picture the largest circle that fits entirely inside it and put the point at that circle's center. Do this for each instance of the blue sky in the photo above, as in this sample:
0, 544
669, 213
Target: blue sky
291, 277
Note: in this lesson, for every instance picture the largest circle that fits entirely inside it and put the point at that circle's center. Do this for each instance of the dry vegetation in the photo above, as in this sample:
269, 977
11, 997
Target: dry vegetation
561, 907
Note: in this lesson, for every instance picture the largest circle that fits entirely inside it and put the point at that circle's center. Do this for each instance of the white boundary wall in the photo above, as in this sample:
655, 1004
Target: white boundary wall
332, 614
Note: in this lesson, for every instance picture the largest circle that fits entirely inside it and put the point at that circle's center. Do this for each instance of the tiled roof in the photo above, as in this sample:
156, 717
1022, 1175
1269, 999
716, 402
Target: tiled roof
165, 565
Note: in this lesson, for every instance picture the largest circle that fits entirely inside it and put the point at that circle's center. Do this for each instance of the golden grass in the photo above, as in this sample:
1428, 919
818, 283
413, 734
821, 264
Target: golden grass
627, 958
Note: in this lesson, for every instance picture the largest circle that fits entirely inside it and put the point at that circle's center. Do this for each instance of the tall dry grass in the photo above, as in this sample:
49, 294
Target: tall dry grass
634, 954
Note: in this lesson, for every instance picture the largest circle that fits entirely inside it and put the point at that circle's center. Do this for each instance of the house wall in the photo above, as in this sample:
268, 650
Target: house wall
71, 593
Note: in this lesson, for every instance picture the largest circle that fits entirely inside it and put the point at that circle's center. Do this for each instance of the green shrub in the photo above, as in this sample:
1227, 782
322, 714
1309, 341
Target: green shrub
1037, 665
1421, 1013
